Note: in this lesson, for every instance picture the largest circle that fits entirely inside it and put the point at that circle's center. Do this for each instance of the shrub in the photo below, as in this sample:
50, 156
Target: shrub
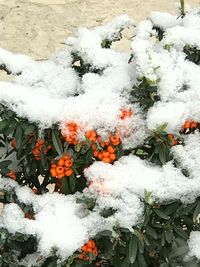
100, 149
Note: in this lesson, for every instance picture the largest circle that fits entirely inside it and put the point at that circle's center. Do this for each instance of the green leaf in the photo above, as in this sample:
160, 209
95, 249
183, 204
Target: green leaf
5, 163
196, 211
44, 161
18, 136
151, 232
56, 142
179, 230
78, 147
30, 129
161, 128
162, 155
132, 250
172, 208
164, 265
140, 240
161, 214
65, 186
179, 252
3, 124
72, 182
169, 236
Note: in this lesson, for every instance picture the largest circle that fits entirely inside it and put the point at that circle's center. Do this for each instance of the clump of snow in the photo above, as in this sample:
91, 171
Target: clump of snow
188, 155
60, 223
164, 20
194, 244
131, 176
87, 43
15, 63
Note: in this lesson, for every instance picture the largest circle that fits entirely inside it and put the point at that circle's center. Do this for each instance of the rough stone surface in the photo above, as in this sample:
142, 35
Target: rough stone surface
38, 27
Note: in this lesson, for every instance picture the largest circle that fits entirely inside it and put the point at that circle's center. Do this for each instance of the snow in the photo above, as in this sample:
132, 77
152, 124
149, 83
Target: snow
132, 176
59, 222
50, 86
194, 244
56, 222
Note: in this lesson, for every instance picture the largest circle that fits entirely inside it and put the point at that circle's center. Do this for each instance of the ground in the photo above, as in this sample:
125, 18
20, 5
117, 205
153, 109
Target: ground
38, 27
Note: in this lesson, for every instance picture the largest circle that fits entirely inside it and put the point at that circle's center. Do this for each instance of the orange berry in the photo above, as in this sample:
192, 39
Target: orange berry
73, 134
194, 125
99, 139
96, 153
60, 170
84, 248
68, 172
11, 175
68, 163
40, 142
89, 250
34, 190
126, 113
116, 143
111, 149
73, 124
92, 139
107, 143
95, 251
53, 172
94, 147
174, 142
170, 136
66, 157
61, 162
88, 134
105, 154
187, 124
81, 256
53, 165
91, 243
68, 139
112, 157
102, 144
93, 133
13, 143
60, 176
71, 128
36, 151
106, 160
100, 156
75, 142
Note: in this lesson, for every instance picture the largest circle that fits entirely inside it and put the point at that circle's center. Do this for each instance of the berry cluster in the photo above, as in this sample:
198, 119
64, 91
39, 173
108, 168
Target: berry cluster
189, 126
172, 139
12, 175
71, 137
104, 150
39, 148
125, 113
62, 168
88, 251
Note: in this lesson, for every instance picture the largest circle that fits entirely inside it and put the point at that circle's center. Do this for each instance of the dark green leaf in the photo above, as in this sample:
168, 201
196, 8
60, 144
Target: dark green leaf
132, 251
56, 142
161, 214
65, 186
30, 129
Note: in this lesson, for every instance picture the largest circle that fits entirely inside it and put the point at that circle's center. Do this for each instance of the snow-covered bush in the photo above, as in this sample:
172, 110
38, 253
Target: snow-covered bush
100, 149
